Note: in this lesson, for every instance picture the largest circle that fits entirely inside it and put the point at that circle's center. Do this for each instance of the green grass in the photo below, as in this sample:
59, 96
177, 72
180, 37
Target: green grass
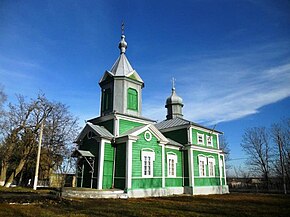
237, 204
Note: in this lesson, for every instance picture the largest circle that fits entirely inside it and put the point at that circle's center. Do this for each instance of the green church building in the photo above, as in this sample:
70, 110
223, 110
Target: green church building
122, 150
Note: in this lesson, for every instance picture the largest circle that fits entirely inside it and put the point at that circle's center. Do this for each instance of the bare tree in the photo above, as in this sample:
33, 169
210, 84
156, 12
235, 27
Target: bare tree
281, 138
224, 145
256, 144
22, 123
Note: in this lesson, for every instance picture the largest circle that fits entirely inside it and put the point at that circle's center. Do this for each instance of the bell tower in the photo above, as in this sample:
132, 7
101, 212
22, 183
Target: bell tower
121, 86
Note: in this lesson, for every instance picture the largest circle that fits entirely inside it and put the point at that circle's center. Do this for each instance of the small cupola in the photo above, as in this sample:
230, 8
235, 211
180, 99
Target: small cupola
174, 105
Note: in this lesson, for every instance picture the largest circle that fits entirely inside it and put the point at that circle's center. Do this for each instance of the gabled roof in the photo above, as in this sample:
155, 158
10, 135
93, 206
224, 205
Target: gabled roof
175, 122
174, 143
98, 130
122, 68
138, 130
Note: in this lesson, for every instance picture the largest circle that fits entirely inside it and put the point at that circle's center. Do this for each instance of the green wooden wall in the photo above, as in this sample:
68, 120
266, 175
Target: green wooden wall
137, 180
125, 125
109, 125
205, 181
178, 180
194, 138
108, 166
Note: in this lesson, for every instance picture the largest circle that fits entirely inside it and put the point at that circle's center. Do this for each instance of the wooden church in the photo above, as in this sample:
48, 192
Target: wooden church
120, 149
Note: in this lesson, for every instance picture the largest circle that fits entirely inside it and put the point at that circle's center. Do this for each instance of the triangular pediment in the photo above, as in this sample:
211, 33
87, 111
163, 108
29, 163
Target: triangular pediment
141, 129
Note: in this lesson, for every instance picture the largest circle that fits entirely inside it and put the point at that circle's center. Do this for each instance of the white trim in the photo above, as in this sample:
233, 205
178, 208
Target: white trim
205, 130
163, 165
129, 164
192, 127
189, 135
147, 136
213, 151
220, 169
224, 167
101, 163
116, 129
172, 147
171, 156
209, 139
197, 138
218, 141
191, 168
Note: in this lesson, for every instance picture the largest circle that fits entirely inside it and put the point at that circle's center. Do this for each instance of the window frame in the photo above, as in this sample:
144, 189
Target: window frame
144, 155
202, 136
211, 160
171, 157
209, 138
202, 172
132, 99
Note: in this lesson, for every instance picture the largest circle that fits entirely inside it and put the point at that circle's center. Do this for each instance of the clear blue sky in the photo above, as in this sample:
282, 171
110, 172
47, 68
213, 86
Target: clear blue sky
231, 59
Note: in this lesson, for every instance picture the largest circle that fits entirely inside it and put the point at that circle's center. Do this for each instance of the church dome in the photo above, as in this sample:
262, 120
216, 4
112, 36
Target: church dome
174, 98
122, 44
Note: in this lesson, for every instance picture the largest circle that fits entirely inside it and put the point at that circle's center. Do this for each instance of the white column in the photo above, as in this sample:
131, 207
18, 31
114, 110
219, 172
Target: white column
163, 165
220, 168
129, 164
191, 169
224, 166
101, 164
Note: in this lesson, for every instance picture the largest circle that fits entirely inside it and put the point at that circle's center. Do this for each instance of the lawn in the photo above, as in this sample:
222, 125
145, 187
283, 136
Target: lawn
236, 204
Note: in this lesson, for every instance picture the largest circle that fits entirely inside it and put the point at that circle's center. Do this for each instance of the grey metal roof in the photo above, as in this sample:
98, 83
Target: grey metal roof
100, 130
175, 122
174, 143
171, 123
83, 153
121, 67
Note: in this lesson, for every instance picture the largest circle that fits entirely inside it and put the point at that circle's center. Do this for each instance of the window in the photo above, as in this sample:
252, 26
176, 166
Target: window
171, 164
211, 167
202, 164
209, 141
107, 99
147, 163
132, 101
200, 138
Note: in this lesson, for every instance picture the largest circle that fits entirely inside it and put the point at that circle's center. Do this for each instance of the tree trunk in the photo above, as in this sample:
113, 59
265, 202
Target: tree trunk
15, 173
4, 168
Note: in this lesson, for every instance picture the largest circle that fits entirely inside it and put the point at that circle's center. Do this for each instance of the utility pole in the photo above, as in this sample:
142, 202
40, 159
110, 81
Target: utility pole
38, 157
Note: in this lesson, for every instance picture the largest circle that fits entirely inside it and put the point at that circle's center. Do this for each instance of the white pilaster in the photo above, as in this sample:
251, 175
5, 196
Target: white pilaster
191, 168
101, 164
224, 167
163, 165
129, 164
220, 169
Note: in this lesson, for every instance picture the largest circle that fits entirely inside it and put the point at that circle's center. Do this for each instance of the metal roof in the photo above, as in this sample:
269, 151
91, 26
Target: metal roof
175, 122
100, 130
83, 153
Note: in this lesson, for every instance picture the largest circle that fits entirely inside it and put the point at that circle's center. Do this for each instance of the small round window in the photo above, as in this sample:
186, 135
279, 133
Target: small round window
147, 136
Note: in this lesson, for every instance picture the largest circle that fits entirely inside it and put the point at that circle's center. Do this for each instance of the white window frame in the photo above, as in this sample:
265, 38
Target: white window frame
171, 157
202, 159
211, 161
202, 137
209, 138
144, 156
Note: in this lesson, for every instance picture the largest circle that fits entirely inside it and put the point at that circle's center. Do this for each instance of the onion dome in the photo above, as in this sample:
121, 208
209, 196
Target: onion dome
174, 98
122, 44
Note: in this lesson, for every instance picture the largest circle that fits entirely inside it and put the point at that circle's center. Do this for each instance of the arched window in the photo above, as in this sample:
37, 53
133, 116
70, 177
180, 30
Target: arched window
107, 99
132, 101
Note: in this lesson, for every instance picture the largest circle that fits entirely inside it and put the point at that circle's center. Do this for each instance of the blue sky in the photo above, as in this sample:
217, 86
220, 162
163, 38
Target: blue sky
230, 58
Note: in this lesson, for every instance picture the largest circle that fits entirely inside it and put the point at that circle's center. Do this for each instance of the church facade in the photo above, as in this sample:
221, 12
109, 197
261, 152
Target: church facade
120, 149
